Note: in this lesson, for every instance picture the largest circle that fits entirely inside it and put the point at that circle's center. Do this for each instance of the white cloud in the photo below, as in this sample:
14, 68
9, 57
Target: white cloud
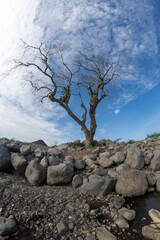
128, 27
116, 111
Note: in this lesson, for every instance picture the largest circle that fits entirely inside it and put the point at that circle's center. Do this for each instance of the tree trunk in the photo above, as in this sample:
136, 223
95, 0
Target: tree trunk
88, 138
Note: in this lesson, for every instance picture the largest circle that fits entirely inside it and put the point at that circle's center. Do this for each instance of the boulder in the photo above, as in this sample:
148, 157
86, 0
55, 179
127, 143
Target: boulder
19, 163
79, 164
155, 161
147, 158
5, 141
128, 214
119, 157
158, 185
39, 153
105, 162
35, 173
54, 152
44, 162
77, 181
132, 183
53, 161
25, 149
92, 157
118, 202
7, 226
76, 142
135, 158
105, 154
121, 168
69, 159
155, 215
104, 234
98, 185
60, 174
63, 146
122, 223
5, 158
89, 162
151, 233
13, 147
102, 142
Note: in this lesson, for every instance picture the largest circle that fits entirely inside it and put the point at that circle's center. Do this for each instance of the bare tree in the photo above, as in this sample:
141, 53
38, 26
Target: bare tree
88, 77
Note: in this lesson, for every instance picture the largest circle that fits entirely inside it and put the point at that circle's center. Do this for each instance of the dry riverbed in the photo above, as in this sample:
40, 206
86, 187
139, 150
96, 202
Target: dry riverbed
56, 212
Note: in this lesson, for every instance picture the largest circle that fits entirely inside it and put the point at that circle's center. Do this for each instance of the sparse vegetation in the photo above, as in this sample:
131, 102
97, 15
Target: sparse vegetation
76, 147
118, 140
130, 141
90, 146
153, 136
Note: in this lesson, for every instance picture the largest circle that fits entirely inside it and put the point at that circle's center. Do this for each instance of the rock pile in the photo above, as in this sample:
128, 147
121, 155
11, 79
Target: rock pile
122, 170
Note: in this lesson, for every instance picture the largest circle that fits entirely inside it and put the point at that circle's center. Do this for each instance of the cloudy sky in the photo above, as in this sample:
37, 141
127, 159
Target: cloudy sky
130, 28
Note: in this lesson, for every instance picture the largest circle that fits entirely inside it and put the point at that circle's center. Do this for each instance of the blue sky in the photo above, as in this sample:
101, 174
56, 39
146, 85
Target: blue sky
130, 28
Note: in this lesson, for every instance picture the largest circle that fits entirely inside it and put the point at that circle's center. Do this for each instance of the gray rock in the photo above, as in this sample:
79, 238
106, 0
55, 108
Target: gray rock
135, 158
77, 181
60, 174
100, 171
76, 142
147, 158
39, 153
79, 164
63, 146
62, 226
69, 159
122, 223
13, 147
155, 162
118, 202
92, 157
53, 161
104, 234
89, 162
105, 154
5, 141
158, 185
132, 183
98, 185
105, 162
121, 168
102, 142
6, 182
7, 226
151, 233
54, 152
128, 214
44, 162
119, 157
152, 180
5, 158
35, 173
155, 216
25, 149
19, 163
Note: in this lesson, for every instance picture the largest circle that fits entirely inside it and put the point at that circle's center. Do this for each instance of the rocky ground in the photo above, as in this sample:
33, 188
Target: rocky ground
68, 192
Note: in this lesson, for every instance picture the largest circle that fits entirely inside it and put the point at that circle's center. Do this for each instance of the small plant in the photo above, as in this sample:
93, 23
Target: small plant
76, 147
153, 136
128, 142
90, 146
